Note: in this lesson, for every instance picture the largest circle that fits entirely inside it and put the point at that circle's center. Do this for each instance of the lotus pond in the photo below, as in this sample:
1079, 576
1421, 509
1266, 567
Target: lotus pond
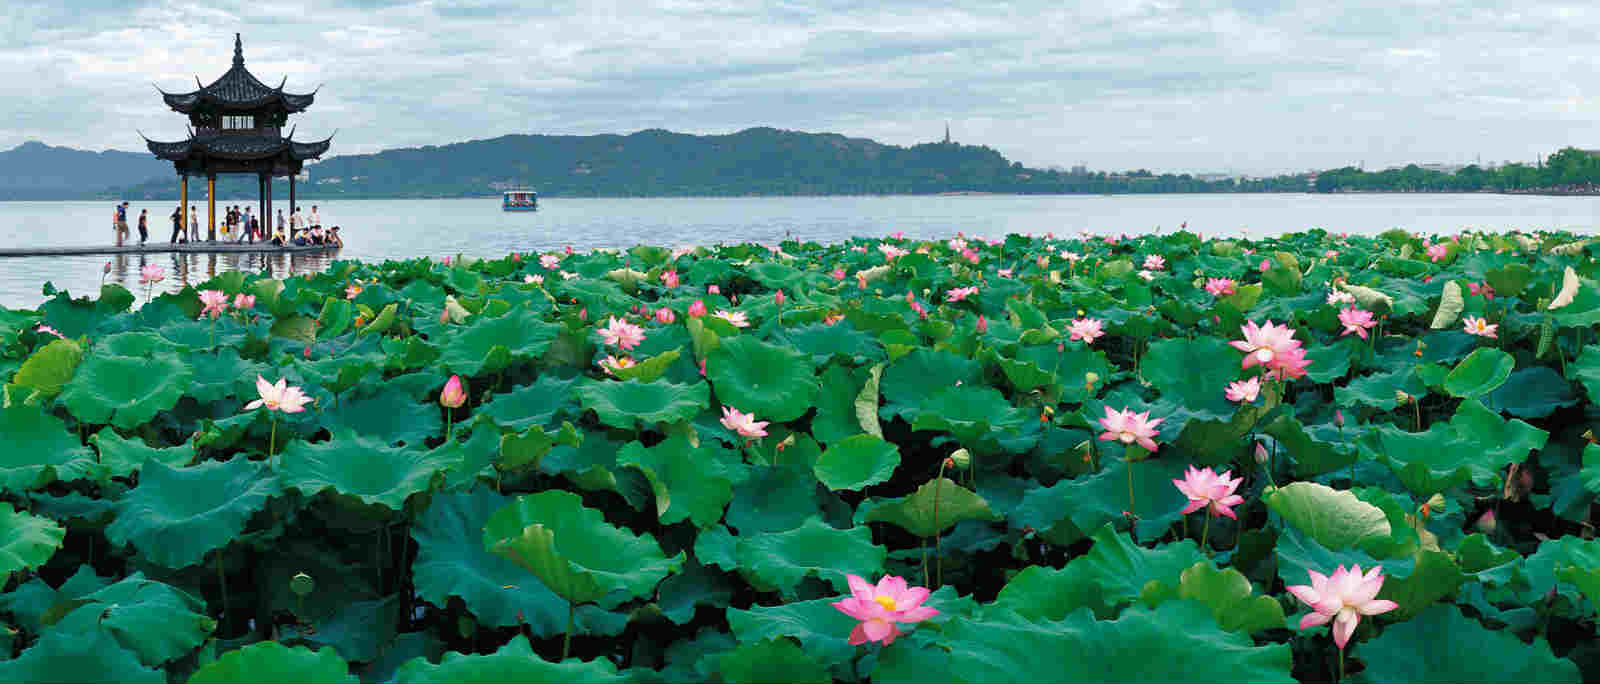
1148, 459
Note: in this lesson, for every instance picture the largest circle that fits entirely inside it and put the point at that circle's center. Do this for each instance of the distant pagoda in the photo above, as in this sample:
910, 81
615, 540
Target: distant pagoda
235, 126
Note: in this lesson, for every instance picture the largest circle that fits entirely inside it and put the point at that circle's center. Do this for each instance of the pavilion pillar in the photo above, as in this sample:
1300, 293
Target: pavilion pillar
266, 180
261, 201
291, 195
211, 207
183, 205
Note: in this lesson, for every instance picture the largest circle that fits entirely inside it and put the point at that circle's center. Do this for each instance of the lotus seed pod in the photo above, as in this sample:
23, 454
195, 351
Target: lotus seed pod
962, 458
1090, 378
302, 584
1401, 397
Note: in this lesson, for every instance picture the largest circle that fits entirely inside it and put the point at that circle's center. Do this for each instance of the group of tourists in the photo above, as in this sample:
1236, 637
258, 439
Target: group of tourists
238, 225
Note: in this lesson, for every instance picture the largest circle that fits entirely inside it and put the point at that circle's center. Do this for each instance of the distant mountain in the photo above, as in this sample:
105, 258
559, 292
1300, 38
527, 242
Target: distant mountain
36, 170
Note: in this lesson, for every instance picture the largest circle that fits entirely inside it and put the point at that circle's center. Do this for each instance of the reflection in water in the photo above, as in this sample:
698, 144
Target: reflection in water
183, 270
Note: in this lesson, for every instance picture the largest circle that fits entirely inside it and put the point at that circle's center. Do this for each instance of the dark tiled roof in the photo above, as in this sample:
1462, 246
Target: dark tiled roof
238, 89
241, 147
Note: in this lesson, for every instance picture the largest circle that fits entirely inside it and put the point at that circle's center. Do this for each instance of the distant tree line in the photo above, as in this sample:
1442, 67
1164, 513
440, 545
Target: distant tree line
1568, 170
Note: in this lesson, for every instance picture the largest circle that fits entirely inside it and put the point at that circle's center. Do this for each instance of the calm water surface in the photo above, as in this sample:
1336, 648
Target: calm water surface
400, 229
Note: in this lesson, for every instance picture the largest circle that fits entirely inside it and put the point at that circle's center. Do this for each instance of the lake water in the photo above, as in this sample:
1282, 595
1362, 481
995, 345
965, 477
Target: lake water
399, 229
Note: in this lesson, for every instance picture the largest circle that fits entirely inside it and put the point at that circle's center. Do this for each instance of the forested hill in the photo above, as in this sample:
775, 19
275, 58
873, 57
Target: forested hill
756, 161
34, 170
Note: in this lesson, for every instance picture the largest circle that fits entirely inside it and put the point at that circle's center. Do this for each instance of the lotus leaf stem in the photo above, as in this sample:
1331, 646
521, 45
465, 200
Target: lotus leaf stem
566, 640
1205, 533
1341, 666
938, 552
222, 584
272, 441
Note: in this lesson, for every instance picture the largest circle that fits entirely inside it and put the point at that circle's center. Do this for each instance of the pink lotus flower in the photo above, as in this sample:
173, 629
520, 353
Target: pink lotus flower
1289, 365
1265, 264
1154, 262
898, 235
621, 333
1004, 272
1437, 252
278, 397
882, 608
713, 289
215, 301
1356, 321
583, 314
152, 273
665, 315
1043, 261
243, 301
1086, 329
921, 311
959, 293
735, 318
1220, 286
838, 274
447, 261
452, 396
1343, 598
1263, 344
891, 252
612, 364
697, 309
533, 279
1129, 427
970, 256
1338, 297
47, 330
1207, 489
567, 249
1481, 289
861, 281
1480, 327
670, 279
1244, 392
743, 423
549, 261
350, 291
983, 325
1331, 254
778, 298
1073, 257
832, 319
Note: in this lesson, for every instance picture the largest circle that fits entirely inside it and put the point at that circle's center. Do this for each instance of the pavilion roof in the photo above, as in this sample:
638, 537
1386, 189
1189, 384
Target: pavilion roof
238, 147
238, 90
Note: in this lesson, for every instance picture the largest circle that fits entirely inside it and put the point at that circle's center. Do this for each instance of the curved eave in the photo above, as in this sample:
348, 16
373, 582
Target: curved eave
244, 148
186, 103
170, 151
309, 150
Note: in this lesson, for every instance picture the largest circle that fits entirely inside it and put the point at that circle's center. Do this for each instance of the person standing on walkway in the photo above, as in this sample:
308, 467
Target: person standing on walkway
177, 225
316, 219
194, 225
122, 223
116, 228
144, 226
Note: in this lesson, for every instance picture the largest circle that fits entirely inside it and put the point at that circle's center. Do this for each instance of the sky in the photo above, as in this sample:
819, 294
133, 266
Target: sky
1246, 86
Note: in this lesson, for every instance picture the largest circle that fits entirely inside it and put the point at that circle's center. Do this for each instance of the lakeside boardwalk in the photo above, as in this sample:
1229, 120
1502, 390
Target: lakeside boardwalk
165, 247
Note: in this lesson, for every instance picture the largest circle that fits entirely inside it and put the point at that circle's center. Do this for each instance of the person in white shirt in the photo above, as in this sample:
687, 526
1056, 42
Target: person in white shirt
194, 225
294, 222
316, 219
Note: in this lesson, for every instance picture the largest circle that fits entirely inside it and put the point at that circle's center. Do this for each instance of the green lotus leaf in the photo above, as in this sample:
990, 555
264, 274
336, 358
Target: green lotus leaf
1113, 573
451, 561
123, 456
157, 621
134, 343
1227, 593
1480, 373
50, 367
1312, 457
210, 502
1493, 442
1065, 511
28, 541
689, 482
822, 630
1175, 641
836, 406
529, 448
776, 383
1335, 519
921, 374
1378, 390
1429, 648
651, 369
969, 412
125, 391
270, 661
224, 374
823, 342
1436, 576
867, 403
1534, 392
336, 317
514, 662
38, 449
1451, 304
383, 321
363, 467
390, 416
301, 329
771, 660
856, 462
1583, 308
773, 499
1194, 372
540, 403
620, 404
1509, 280
782, 559
936, 506
573, 550
77, 649
697, 585
520, 334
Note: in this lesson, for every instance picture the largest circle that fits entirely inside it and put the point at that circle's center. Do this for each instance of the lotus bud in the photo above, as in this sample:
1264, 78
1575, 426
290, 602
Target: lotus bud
697, 309
1486, 523
307, 352
1434, 504
568, 250
665, 315
949, 463
447, 261
1262, 457
583, 314
713, 289
444, 316
1338, 418
106, 268
961, 458
983, 324
452, 395
778, 299
302, 584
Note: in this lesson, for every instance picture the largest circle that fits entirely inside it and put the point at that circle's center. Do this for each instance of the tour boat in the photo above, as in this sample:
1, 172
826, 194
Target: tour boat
520, 200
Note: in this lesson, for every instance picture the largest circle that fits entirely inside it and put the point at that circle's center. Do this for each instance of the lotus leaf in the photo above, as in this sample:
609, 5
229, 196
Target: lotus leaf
1090, 501
452, 561
514, 662
970, 413
1534, 392
774, 382
210, 502
697, 585
936, 506
867, 403
921, 374
1228, 594
366, 468
1113, 573
773, 499
39, 449
77, 649
272, 661
122, 456
1192, 372
820, 628
518, 336
783, 559
824, 342
540, 403
856, 462
125, 391
836, 406
156, 621
573, 549
389, 416
1482, 372
29, 541
689, 482
771, 660
1175, 641
1335, 519
50, 367
1429, 648
620, 404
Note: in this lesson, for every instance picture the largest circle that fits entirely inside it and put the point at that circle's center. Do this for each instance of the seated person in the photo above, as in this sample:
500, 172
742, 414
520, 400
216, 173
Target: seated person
300, 241
277, 237
334, 239
316, 235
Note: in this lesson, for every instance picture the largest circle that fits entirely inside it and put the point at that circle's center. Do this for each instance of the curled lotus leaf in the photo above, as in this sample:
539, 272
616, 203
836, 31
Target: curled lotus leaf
270, 661
125, 391
620, 404
936, 506
363, 467
26, 540
50, 367
1335, 519
513, 662
572, 548
157, 621
783, 559
210, 502
77, 649
38, 450
488, 344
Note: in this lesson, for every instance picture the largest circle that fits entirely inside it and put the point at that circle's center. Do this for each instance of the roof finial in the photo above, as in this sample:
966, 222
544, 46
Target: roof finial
238, 51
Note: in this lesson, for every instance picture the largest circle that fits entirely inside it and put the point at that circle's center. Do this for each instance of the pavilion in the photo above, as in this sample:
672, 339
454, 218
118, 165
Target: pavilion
235, 126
